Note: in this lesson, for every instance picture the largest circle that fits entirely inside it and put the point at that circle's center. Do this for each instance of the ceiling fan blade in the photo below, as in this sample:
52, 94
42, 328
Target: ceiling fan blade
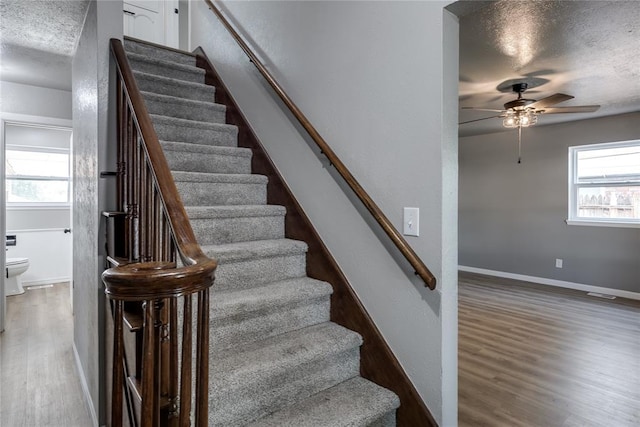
550, 100
477, 120
482, 109
576, 109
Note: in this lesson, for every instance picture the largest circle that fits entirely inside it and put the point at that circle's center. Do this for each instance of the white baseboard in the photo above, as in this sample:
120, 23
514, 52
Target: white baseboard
85, 387
46, 281
553, 282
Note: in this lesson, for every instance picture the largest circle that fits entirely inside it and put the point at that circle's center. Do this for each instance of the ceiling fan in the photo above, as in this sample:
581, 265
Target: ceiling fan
524, 112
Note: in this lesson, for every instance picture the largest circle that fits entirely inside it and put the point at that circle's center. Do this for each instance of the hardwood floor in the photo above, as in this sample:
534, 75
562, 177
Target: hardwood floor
530, 355
39, 383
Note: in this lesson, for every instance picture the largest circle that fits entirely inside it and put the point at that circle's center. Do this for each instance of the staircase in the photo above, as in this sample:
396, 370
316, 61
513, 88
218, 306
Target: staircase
275, 358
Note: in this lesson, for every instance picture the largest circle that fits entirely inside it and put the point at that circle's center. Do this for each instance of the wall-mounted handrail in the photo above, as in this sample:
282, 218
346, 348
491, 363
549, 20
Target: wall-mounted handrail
397, 239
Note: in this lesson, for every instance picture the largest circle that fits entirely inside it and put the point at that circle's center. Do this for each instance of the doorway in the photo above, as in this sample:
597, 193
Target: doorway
36, 203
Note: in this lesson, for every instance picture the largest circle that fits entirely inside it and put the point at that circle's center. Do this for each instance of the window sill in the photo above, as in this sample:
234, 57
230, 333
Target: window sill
37, 206
595, 223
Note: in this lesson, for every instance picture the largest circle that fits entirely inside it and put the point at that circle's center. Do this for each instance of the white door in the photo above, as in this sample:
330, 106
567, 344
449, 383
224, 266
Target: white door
152, 20
144, 20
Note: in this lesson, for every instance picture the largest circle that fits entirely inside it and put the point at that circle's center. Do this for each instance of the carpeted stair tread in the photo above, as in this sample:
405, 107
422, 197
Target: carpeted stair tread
244, 365
196, 124
353, 403
250, 381
232, 178
180, 100
220, 189
146, 49
178, 107
188, 147
189, 157
240, 251
199, 212
167, 86
194, 131
272, 296
242, 316
165, 68
236, 223
253, 263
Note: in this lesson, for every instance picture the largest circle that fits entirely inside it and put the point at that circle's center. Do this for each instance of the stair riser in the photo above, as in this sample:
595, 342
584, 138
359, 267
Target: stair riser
173, 88
164, 54
387, 420
205, 113
255, 400
218, 231
226, 137
190, 75
258, 271
221, 193
229, 332
205, 162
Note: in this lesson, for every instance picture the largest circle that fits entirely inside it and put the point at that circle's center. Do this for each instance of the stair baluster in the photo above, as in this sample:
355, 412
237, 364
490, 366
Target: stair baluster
146, 274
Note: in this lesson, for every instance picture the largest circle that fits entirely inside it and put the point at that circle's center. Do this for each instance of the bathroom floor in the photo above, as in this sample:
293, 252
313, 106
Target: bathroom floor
38, 377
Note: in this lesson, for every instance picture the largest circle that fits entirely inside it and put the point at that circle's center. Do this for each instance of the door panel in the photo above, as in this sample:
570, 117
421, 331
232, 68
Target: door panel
144, 24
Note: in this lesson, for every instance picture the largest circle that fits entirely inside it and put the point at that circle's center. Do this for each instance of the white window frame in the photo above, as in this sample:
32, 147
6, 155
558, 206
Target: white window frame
575, 185
41, 205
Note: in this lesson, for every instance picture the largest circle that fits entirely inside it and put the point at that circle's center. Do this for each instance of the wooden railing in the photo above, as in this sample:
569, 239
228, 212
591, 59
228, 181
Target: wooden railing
154, 233
397, 239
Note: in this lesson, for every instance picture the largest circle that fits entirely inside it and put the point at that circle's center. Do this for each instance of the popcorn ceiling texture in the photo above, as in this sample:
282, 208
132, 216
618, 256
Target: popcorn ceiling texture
37, 36
51, 26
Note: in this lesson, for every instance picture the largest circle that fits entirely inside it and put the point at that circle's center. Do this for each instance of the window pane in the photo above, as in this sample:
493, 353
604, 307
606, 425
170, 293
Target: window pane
37, 163
609, 202
621, 163
32, 191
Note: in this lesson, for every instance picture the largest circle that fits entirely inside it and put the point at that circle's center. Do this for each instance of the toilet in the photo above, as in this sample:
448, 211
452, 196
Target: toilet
13, 282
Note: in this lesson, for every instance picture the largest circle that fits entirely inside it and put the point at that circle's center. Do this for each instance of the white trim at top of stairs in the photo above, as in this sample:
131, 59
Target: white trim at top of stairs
553, 282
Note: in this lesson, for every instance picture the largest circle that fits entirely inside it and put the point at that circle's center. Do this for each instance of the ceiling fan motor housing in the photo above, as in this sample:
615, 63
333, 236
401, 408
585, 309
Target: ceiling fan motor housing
520, 103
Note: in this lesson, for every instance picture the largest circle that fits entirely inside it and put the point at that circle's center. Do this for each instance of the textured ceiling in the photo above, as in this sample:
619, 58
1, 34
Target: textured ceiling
38, 39
588, 49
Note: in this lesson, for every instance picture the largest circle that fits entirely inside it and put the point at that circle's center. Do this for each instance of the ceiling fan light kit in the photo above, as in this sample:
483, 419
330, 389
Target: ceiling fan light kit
522, 112
520, 118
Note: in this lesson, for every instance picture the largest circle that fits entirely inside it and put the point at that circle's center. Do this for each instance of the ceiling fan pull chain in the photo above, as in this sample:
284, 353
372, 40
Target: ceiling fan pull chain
519, 144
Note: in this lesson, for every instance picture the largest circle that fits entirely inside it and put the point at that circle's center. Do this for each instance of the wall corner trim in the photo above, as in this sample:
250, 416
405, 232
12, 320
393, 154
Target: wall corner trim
85, 387
553, 282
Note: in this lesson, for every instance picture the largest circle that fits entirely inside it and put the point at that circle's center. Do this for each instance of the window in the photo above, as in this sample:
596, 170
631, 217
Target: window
604, 184
36, 176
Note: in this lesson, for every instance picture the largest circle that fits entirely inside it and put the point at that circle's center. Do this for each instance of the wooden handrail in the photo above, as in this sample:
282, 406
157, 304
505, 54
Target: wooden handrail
397, 239
157, 280
154, 230
188, 248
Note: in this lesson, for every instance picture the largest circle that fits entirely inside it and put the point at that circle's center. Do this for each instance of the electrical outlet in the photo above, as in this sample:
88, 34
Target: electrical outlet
558, 262
411, 222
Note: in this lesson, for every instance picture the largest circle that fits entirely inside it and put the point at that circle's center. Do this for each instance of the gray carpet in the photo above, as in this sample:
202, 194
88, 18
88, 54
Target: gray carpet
276, 359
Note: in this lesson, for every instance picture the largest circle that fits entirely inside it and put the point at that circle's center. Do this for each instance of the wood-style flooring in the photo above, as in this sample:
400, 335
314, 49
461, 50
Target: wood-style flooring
531, 355
39, 383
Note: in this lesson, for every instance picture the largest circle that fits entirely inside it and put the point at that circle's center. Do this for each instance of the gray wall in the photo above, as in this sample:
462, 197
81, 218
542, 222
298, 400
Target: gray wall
34, 100
512, 216
93, 133
377, 83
